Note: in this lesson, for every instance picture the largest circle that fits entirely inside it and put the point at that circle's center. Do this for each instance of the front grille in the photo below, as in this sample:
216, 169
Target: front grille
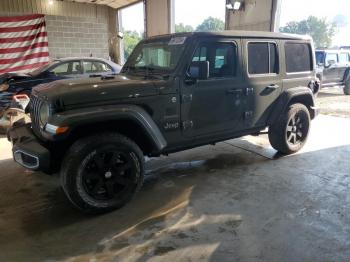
35, 104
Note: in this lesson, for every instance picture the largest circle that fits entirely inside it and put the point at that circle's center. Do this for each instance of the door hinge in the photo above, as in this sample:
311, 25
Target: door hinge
187, 125
186, 98
249, 91
248, 115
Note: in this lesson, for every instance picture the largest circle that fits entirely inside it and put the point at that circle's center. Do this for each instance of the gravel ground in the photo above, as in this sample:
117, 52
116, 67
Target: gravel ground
332, 101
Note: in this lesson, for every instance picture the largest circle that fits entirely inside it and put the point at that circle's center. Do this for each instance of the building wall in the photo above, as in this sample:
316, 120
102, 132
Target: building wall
77, 36
74, 29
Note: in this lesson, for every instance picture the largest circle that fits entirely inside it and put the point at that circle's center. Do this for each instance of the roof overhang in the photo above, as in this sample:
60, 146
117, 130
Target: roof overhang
112, 3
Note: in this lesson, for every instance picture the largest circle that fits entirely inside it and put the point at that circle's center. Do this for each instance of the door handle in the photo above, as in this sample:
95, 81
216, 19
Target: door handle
272, 87
234, 91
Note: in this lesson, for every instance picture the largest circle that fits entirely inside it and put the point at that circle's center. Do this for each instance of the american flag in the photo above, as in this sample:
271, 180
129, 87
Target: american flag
23, 43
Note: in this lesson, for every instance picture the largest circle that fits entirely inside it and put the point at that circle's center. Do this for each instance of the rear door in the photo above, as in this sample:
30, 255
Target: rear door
263, 79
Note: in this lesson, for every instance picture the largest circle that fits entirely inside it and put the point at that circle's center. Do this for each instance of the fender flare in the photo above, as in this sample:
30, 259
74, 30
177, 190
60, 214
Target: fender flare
346, 79
94, 115
298, 93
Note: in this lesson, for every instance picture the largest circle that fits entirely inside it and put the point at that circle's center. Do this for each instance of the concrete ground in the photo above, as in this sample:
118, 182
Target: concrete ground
332, 101
236, 201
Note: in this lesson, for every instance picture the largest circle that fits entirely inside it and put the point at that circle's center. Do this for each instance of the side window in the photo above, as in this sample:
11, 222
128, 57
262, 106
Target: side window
68, 68
331, 58
298, 57
96, 67
61, 69
201, 54
76, 68
262, 58
343, 58
222, 58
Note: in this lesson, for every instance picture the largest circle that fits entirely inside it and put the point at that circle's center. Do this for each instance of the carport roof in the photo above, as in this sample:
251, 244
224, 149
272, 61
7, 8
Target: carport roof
112, 3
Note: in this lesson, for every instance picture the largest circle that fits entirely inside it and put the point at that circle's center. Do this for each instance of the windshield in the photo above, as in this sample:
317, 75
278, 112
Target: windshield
41, 69
160, 56
319, 58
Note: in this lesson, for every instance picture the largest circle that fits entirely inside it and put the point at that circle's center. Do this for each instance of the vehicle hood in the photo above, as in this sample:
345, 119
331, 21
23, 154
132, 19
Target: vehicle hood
96, 91
14, 76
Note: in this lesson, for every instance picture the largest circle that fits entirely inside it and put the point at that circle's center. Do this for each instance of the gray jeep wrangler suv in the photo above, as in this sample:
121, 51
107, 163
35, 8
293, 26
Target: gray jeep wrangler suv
333, 68
174, 93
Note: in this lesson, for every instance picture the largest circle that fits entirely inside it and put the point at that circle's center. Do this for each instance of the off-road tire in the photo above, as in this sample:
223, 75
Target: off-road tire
346, 88
85, 150
281, 131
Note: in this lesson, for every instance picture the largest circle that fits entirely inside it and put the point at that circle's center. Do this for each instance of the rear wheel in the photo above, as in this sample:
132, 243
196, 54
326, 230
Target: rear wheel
289, 134
103, 172
346, 88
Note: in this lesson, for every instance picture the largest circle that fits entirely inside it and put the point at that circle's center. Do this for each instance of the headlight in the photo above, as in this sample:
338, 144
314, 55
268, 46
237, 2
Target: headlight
44, 114
4, 87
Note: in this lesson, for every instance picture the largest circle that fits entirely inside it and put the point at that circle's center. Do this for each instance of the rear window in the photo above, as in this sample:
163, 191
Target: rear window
262, 58
298, 57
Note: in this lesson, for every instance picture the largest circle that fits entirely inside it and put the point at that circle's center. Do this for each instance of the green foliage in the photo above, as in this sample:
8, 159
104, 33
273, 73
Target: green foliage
211, 24
131, 39
180, 28
321, 31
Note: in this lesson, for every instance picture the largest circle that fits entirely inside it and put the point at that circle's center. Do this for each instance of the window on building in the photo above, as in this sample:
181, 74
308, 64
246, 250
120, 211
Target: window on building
298, 57
222, 58
262, 58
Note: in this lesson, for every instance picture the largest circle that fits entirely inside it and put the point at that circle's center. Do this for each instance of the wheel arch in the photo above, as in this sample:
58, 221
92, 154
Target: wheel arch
302, 95
131, 121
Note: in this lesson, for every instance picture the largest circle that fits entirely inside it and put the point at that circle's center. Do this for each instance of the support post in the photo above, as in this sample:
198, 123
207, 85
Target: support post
256, 15
159, 16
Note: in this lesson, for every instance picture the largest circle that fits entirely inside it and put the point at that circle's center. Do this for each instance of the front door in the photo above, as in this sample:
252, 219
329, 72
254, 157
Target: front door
330, 72
214, 106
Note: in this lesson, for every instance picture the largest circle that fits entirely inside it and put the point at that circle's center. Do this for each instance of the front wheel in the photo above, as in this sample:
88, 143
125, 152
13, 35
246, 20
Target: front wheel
289, 134
102, 172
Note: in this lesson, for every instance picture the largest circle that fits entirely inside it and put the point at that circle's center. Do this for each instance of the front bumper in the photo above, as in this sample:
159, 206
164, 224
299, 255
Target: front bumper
27, 151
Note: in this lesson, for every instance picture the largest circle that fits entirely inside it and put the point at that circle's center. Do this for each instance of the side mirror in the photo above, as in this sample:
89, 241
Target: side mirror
199, 70
330, 63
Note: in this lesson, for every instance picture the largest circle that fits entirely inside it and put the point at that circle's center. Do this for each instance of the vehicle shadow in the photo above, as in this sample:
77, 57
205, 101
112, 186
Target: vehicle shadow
205, 202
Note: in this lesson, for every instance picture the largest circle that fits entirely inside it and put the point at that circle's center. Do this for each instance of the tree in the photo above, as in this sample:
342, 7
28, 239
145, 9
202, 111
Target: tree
211, 24
321, 31
180, 28
131, 39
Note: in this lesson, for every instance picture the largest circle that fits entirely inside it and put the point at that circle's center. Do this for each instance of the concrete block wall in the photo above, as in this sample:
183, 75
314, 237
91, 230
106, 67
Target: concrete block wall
74, 29
77, 36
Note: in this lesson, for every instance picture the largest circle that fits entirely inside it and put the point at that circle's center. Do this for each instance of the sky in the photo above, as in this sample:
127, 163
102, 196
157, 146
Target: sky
296, 10
193, 12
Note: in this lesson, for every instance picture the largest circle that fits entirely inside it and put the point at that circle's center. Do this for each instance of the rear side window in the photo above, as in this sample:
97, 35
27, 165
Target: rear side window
343, 58
298, 57
262, 58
